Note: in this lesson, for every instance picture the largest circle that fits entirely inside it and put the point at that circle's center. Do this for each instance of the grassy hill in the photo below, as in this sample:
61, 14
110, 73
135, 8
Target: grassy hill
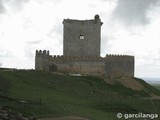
156, 85
44, 94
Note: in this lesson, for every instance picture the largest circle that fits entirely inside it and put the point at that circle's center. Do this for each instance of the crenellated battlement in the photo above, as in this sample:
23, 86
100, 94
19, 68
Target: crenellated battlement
42, 53
61, 58
96, 20
112, 57
117, 55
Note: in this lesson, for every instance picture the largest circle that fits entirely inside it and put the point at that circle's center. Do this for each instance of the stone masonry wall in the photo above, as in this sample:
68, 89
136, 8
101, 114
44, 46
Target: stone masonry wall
89, 65
109, 66
119, 65
82, 37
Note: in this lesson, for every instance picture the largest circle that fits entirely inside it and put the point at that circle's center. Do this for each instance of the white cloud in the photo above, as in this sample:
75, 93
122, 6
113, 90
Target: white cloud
2, 9
133, 12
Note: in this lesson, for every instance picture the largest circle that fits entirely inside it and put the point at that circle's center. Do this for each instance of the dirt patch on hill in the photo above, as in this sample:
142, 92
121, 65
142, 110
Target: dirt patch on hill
131, 83
65, 118
127, 82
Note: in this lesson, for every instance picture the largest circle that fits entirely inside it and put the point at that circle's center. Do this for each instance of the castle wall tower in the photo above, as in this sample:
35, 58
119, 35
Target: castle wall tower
42, 60
82, 37
119, 65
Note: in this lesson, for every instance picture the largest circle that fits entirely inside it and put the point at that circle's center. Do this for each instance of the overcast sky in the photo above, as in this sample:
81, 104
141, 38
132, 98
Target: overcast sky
130, 27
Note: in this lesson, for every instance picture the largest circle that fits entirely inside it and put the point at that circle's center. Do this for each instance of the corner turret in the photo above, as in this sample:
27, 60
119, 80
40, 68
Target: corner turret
42, 60
97, 19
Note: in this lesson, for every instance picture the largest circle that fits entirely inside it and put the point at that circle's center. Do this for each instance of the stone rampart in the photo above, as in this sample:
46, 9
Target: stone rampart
64, 59
109, 66
87, 65
84, 68
119, 65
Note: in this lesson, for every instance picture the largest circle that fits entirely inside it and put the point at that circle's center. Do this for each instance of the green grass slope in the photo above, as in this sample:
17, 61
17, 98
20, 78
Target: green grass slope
44, 94
156, 85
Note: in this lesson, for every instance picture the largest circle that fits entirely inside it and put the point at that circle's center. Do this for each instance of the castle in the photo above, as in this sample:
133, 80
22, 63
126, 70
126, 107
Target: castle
81, 53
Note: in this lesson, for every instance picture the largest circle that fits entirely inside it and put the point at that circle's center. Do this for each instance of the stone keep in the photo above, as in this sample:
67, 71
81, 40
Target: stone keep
81, 53
82, 37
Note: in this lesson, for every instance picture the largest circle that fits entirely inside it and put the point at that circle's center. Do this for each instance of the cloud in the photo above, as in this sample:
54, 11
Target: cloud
5, 53
12, 5
34, 42
133, 12
57, 28
52, 1
106, 44
147, 66
18, 3
2, 8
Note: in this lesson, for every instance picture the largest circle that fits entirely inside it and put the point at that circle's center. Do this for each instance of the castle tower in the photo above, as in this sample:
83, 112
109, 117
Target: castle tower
82, 37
